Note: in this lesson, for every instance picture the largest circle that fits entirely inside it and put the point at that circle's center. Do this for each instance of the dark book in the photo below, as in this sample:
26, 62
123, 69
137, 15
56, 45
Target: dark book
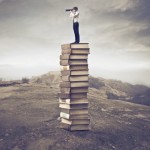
75, 78
75, 121
76, 51
78, 95
73, 106
79, 90
75, 68
74, 73
69, 116
70, 56
75, 111
73, 84
81, 127
72, 95
74, 90
73, 62
74, 101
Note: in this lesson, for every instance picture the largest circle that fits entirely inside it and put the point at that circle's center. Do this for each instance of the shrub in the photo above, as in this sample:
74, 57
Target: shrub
25, 80
95, 83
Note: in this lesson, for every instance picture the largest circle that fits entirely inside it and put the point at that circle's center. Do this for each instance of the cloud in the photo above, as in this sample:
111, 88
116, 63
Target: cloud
33, 30
121, 24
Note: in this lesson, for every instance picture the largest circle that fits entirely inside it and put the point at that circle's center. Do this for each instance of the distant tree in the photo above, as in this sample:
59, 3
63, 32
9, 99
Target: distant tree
95, 83
1, 79
111, 95
38, 81
25, 80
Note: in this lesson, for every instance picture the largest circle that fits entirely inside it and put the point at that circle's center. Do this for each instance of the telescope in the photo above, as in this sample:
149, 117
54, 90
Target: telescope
69, 9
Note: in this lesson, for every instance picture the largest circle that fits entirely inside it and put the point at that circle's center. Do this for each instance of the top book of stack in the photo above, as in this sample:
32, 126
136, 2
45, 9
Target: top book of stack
81, 48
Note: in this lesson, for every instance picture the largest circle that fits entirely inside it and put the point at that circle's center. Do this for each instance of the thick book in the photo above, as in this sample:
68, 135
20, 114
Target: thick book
68, 56
75, 121
73, 106
78, 95
74, 68
73, 62
80, 45
74, 90
74, 73
72, 95
81, 127
74, 101
79, 90
75, 78
72, 45
76, 51
75, 111
73, 84
69, 116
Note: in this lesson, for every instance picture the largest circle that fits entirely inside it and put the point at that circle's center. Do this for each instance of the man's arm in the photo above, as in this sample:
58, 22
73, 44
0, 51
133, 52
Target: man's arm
74, 15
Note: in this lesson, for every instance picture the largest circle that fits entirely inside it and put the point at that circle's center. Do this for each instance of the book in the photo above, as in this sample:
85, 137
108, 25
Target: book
72, 95
78, 62
65, 46
78, 95
80, 45
74, 101
78, 57
75, 78
68, 56
74, 73
81, 127
69, 116
73, 84
64, 56
73, 106
75, 121
76, 51
74, 90
75, 111
73, 62
79, 90
74, 68
73, 45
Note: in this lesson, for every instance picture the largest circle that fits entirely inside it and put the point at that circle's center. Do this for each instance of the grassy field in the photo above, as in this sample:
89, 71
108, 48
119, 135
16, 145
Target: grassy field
29, 121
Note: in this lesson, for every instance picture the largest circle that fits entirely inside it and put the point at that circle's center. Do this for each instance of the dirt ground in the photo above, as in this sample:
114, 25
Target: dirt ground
29, 121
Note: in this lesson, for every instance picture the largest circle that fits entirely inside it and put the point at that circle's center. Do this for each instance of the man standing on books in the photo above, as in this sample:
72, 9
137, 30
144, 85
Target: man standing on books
74, 14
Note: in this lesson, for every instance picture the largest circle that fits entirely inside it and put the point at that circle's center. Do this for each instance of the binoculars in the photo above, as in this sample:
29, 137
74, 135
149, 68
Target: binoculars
69, 9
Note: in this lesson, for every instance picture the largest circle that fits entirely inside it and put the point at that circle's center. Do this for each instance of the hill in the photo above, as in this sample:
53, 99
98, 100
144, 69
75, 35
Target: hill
111, 89
28, 121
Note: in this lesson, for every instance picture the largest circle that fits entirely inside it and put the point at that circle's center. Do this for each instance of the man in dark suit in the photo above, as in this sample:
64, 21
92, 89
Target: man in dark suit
74, 14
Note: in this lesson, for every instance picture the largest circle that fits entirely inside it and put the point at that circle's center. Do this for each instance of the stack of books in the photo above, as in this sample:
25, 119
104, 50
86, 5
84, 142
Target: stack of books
74, 84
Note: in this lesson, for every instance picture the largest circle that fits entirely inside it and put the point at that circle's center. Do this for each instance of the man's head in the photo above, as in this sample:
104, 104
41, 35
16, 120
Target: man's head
75, 9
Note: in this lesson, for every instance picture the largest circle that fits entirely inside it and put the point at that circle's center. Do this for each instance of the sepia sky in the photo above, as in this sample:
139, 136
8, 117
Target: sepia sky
32, 31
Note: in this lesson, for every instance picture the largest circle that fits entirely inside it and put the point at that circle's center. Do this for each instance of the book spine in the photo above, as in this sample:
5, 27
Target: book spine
65, 46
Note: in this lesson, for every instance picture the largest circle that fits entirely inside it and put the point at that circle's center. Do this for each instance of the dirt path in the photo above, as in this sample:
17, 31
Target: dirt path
28, 121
